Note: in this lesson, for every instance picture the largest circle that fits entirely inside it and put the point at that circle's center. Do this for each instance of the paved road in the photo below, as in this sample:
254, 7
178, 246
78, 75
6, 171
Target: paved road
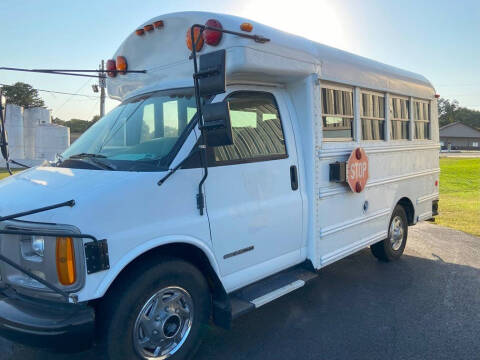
463, 154
425, 306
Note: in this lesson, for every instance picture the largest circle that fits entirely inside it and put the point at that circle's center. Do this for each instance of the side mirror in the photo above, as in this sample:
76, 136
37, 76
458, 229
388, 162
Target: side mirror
216, 124
211, 74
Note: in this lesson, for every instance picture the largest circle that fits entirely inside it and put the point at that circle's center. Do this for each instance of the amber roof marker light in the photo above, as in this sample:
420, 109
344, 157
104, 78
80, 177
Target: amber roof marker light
246, 26
158, 24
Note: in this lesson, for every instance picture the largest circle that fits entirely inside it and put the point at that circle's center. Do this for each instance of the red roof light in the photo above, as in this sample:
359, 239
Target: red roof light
111, 68
212, 37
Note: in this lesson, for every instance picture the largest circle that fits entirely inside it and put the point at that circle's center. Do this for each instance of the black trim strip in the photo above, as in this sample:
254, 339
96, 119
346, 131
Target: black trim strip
47, 233
238, 252
70, 203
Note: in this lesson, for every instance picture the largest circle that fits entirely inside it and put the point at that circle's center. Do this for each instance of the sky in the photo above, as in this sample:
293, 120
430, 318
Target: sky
438, 39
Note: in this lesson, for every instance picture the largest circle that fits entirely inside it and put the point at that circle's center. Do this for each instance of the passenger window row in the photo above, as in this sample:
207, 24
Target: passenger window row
338, 115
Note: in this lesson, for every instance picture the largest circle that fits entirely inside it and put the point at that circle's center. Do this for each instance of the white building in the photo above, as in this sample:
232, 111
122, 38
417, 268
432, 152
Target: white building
32, 137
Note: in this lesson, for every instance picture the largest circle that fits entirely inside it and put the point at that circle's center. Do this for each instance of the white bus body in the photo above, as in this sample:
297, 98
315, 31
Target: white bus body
322, 103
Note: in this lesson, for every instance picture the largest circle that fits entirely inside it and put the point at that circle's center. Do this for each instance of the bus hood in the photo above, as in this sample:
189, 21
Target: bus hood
43, 186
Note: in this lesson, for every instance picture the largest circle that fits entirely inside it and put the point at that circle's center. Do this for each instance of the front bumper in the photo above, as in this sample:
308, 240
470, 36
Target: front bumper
58, 326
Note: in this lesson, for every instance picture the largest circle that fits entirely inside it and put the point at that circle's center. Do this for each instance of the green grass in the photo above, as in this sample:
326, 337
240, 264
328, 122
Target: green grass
460, 194
3, 173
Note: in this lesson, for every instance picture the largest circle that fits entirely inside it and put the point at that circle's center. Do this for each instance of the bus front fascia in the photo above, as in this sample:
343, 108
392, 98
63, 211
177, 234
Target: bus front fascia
96, 251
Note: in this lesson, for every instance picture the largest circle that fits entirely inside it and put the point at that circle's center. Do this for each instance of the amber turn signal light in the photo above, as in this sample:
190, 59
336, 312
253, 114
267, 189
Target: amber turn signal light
122, 65
246, 27
197, 39
65, 255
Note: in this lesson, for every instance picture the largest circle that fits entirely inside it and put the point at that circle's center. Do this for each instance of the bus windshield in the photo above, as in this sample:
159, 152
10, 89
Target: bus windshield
140, 133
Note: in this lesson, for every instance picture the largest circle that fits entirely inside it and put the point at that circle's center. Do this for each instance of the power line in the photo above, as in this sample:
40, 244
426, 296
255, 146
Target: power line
61, 92
70, 98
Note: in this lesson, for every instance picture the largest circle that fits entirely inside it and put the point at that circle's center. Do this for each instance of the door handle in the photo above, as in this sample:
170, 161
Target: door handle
294, 177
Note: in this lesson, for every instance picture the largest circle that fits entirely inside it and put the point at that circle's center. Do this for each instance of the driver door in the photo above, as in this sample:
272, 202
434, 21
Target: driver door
253, 201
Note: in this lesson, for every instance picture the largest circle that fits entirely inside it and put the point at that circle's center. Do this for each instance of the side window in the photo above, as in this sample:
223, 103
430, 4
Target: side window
421, 115
400, 118
257, 130
373, 116
337, 113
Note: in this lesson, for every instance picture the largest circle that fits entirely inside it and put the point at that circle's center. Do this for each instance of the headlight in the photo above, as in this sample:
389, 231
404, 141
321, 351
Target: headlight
33, 248
38, 245
58, 260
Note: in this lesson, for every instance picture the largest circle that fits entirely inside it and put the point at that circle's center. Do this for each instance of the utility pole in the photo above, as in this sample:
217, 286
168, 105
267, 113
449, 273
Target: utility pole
103, 85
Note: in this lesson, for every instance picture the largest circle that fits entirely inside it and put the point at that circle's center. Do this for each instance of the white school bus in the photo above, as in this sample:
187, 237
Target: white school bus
199, 199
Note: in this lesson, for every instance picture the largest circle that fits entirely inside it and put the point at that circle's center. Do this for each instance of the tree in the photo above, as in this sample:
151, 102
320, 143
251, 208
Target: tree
22, 94
449, 111
446, 111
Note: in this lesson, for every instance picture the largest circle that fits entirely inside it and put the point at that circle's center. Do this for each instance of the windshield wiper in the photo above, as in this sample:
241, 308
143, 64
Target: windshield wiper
87, 155
172, 171
95, 159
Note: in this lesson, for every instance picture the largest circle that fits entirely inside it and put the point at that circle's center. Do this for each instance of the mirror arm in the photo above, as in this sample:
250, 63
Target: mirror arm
203, 143
206, 73
19, 164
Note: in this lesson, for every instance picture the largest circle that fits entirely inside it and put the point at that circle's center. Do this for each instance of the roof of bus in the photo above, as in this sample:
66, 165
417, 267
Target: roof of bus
286, 57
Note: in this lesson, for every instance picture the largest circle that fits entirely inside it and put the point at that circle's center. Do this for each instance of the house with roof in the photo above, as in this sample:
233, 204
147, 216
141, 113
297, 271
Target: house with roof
458, 136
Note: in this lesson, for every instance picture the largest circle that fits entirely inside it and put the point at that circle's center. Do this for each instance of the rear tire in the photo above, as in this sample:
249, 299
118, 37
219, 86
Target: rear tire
393, 246
161, 310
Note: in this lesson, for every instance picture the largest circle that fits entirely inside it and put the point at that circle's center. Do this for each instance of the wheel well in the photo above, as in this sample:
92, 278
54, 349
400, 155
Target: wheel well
197, 257
409, 209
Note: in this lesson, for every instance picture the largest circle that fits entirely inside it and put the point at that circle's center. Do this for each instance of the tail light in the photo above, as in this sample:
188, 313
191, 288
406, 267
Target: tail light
66, 261
111, 68
148, 27
197, 39
212, 37
122, 65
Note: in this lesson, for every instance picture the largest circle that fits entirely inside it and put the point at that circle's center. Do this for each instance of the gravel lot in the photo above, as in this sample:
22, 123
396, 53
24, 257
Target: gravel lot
425, 306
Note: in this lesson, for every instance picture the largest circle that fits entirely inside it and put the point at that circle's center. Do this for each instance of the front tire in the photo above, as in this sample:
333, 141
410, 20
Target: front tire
160, 310
393, 246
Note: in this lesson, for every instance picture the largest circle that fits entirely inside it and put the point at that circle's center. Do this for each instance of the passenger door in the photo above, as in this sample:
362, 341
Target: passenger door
253, 202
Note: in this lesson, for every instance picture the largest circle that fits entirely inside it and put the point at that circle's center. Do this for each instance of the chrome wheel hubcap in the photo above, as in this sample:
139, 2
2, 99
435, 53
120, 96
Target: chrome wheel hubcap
163, 324
396, 233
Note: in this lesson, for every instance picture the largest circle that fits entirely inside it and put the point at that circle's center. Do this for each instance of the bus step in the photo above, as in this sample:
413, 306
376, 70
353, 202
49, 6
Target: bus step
266, 290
